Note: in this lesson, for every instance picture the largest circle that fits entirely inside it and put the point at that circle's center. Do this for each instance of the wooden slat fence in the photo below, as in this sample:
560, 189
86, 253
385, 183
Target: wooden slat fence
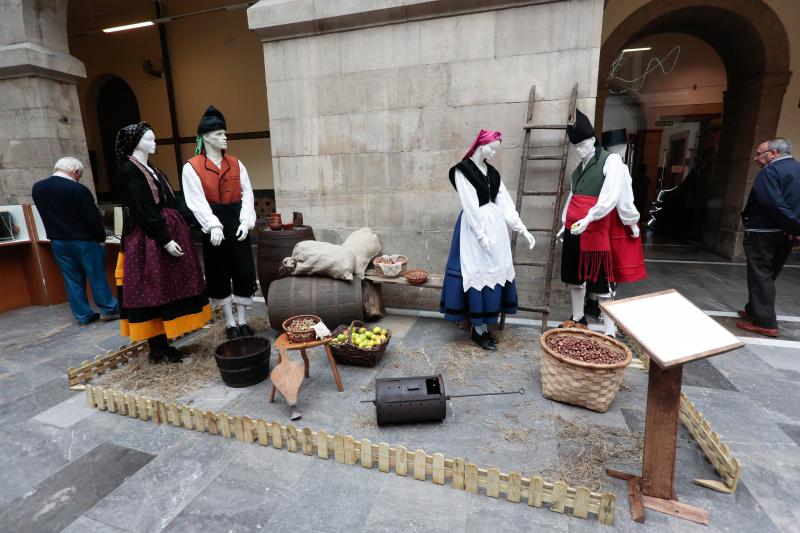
436, 468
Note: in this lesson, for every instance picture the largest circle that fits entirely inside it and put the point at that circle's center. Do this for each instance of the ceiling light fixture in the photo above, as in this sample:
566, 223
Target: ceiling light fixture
128, 26
642, 49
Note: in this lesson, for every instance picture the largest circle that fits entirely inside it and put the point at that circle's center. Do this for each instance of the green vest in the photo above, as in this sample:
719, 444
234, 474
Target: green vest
589, 181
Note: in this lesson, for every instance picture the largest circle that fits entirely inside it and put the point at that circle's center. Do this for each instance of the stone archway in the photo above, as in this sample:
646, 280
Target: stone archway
754, 47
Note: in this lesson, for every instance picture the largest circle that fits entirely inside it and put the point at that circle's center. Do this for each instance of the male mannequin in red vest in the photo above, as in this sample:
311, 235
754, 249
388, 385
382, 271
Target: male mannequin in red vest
218, 191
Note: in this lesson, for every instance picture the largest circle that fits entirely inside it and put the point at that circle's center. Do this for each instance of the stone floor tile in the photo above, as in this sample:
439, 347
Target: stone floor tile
66, 413
64, 496
84, 524
165, 486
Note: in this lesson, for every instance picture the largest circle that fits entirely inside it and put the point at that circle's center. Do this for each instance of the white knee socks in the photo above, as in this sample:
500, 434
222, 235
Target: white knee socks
227, 309
578, 293
241, 311
480, 330
608, 325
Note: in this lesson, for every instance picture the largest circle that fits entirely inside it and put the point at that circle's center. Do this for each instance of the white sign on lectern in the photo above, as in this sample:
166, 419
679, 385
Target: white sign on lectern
672, 329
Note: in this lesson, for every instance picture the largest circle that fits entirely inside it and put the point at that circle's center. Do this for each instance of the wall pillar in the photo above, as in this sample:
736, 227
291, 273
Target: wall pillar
40, 118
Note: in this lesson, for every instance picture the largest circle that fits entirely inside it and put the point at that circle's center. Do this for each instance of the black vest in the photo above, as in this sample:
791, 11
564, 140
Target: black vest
486, 186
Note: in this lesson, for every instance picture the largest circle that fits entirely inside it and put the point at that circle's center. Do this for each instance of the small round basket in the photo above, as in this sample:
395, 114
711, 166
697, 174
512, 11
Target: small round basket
588, 385
300, 335
416, 276
346, 353
385, 269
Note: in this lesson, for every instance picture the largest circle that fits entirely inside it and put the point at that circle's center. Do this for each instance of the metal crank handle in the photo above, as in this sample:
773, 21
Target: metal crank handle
520, 391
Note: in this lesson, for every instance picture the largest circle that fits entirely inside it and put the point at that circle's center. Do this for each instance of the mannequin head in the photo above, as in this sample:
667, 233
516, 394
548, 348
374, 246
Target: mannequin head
618, 149
137, 140
483, 139
585, 148
147, 144
486, 151
216, 140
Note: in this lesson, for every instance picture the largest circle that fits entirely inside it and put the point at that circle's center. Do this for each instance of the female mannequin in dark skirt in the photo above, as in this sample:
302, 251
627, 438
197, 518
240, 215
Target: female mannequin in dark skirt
479, 278
161, 288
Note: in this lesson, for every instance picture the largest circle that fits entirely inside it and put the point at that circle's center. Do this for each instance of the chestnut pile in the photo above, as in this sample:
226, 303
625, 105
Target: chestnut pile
584, 350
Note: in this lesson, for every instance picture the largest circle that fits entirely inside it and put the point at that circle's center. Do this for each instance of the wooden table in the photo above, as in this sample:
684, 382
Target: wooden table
283, 345
673, 332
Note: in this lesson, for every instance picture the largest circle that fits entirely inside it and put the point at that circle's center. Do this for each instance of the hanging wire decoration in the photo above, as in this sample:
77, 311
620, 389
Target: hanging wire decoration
666, 64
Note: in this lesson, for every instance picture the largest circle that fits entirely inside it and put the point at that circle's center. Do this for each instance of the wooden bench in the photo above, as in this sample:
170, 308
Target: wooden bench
373, 296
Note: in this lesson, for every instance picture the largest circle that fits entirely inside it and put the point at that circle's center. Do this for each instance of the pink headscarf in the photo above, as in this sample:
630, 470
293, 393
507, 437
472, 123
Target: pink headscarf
484, 137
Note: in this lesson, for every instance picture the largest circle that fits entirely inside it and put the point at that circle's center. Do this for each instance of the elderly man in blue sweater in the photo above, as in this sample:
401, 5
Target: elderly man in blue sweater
771, 221
75, 229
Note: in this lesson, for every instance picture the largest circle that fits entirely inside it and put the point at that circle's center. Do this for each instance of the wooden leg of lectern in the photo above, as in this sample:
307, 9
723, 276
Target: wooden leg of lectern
634, 496
661, 431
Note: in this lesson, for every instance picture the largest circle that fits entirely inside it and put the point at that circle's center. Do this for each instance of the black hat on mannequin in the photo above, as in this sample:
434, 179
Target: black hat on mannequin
615, 137
581, 130
212, 120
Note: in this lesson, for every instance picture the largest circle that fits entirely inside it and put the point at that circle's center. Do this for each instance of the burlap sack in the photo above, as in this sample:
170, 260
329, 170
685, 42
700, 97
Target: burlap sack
365, 245
310, 258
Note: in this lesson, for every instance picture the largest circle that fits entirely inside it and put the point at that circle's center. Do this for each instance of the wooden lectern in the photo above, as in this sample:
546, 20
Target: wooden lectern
673, 332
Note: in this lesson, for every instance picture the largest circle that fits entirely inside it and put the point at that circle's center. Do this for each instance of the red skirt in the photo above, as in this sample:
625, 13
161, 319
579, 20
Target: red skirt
626, 252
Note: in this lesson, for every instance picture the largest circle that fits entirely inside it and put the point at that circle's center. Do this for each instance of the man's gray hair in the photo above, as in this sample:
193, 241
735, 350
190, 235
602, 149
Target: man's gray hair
780, 145
68, 165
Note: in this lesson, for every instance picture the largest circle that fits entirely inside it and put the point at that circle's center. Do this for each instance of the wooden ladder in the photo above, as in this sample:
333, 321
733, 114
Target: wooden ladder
527, 156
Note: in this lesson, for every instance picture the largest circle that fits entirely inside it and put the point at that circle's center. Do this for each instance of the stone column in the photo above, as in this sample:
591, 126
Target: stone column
40, 118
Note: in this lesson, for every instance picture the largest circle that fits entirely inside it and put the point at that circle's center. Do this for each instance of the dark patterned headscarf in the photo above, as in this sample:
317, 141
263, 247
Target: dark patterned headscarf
127, 140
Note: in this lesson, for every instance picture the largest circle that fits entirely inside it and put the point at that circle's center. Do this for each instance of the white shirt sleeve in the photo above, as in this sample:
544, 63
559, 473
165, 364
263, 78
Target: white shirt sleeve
196, 199
505, 202
469, 203
626, 209
247, 215
615, 174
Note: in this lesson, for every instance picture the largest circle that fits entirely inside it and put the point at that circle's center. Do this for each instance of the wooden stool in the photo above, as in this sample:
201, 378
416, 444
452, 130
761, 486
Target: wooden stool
283, 345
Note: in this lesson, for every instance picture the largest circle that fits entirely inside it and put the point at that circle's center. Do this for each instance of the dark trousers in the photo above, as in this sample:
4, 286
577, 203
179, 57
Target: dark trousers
229, 267
79, 261
766, 254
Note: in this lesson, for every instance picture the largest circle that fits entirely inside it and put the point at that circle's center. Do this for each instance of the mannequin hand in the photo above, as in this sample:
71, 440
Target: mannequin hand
559, 234
530, 239
242, 232
580, 226
216, 236
174, 249
635, 231
486, 244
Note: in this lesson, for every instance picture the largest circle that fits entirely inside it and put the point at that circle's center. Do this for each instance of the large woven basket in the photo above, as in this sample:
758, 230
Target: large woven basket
584, 384
348, 354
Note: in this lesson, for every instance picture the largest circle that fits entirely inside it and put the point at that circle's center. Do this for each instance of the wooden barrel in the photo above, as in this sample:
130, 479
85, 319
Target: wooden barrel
335, 301
273, 246
243, 362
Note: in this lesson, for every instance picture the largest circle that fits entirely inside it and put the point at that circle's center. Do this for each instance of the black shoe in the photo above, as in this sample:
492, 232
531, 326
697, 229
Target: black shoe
491, 341
592, 308
173, 355
245, 331
155, 358
94, 318
232, 332
484, 341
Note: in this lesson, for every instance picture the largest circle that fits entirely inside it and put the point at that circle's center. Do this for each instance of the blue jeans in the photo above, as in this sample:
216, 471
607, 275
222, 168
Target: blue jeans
79, 260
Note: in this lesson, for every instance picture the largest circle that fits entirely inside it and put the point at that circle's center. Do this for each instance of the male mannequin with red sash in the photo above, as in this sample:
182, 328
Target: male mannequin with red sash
218, 191
590, 223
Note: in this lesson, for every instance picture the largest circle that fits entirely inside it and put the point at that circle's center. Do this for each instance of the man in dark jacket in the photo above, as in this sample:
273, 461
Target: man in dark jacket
75, 230
771, 221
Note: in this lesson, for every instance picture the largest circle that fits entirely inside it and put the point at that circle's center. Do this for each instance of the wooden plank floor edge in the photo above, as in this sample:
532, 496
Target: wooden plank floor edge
345, 449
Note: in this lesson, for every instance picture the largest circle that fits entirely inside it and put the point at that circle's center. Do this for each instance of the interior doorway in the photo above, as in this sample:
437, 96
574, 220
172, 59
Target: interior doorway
752, 53
116, 107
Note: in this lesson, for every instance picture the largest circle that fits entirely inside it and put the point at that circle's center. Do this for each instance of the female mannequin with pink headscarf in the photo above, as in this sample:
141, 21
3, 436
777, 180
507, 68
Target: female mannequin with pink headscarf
479, 278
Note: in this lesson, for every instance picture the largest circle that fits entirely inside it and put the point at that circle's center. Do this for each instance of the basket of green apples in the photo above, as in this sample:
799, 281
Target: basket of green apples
359, 344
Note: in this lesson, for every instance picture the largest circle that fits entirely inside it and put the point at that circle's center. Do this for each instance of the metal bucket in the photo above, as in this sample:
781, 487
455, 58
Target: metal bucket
410, 399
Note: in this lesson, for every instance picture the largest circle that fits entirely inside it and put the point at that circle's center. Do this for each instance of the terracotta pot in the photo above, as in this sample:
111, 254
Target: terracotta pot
275, 223
297, 220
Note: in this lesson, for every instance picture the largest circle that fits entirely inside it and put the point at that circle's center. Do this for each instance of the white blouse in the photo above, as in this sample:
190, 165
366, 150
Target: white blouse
493, 220
196, 199
616, 192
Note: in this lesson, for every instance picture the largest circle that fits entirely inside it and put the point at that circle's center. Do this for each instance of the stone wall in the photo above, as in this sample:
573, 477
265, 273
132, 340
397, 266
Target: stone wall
40, 119
366, 120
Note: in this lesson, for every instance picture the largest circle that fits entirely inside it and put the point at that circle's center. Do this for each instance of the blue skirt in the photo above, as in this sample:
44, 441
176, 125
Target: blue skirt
479, 306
